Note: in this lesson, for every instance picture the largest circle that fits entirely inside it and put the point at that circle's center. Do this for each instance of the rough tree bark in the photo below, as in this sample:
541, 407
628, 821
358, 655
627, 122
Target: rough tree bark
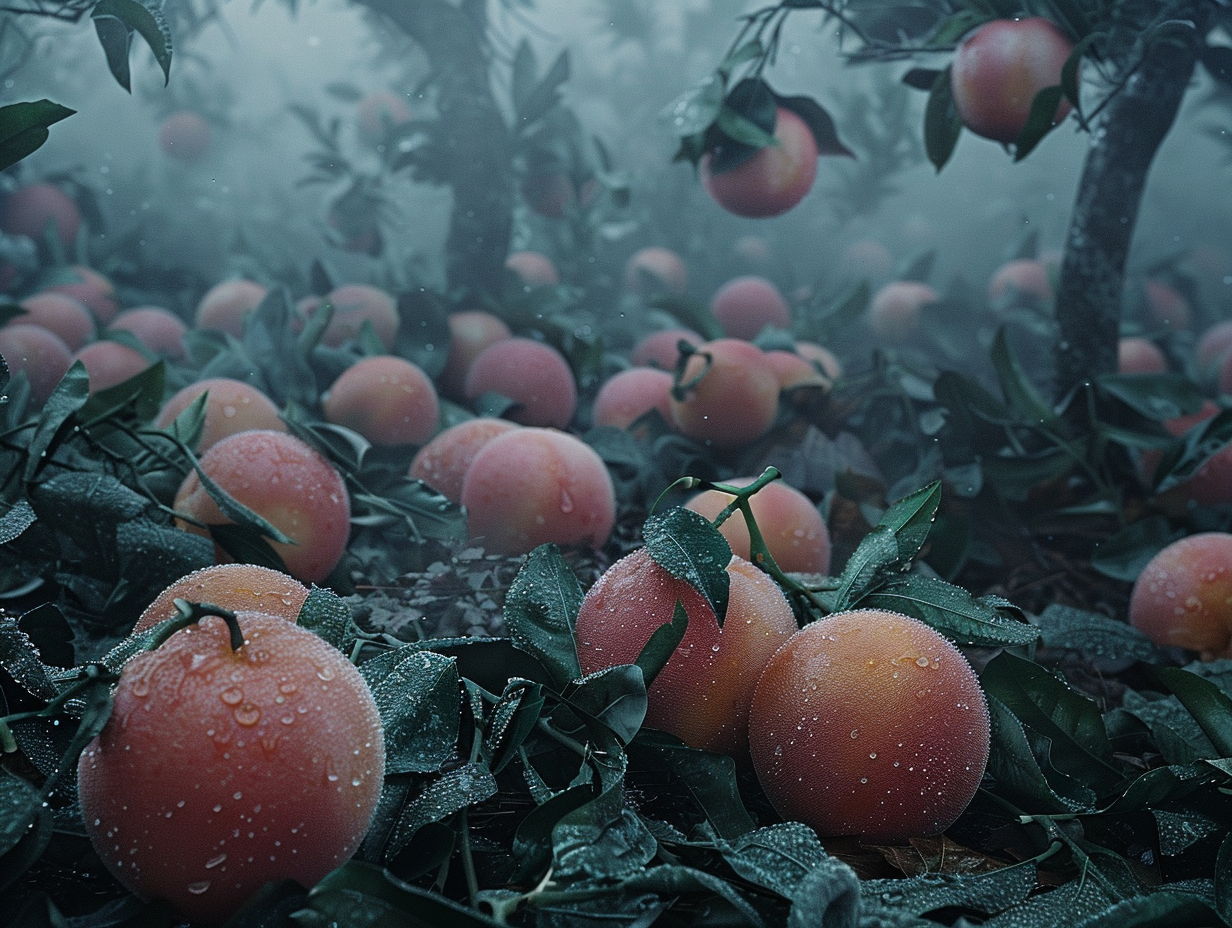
1123, 145
479, 165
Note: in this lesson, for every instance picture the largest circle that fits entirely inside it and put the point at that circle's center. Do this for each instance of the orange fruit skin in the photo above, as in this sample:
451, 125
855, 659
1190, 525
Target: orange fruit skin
746, 305
386, 399
93, 289
158, 329
735, 401
63, 315
224, 306
529, 372
659, 262
471, 332
703, 693
1183, 597
869, 723
1022, 276
773, 180
355, 304
1140, 356
535, 269
110, 363
443, 462
39, 352
629, 394
238, 587
894, 313
661, 349
27, 211
221, 770
232, 407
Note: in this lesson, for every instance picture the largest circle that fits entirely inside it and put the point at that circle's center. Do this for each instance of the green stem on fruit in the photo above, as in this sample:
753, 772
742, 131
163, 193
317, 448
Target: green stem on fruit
681, 387
190, 614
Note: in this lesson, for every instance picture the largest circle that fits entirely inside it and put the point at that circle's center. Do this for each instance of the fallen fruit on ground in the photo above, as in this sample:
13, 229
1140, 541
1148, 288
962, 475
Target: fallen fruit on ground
1181, 597
224, 306
746, 305
40, 354
221, 770
471, 331
628, 395
238, 587
531, 373
729, 394
386, 399
110, 363
443, 462
869, 723
158, 329
231, 407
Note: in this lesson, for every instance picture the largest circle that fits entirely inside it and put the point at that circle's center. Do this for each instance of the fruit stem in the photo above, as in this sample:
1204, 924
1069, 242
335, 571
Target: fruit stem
190, 614
681, 387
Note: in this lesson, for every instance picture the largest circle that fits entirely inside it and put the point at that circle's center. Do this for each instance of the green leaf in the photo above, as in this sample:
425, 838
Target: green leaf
1163, 908
361, 895
116, 21
984, 621
876, 553
1095, 635
695, 110
1123, 555
1019, 392
19, 517
246, 545
1206, 702
688, 547
328, 615
1155, 396
820, 123
661, 645
1223, 880
418, 696
776, 857
1014, 769
54, 421
23, 129
614, 696
942, 125
541, 609
1040, 120
453, 791
237, 512
986, 893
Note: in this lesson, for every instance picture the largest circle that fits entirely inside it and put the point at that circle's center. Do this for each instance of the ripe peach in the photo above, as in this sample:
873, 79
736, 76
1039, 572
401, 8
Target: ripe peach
224, 306
663, 266
531, 373
773, 180
378, 113
238, 587
232, 406
659, 349
355, 304
794, 371
869, 723
790, 525
531, 485
470, 332
184, 135
628, 395
386, 399
746, 305
703, 693
28, 210
1165, 305
110, 363
736, 399
91, 288
158, 329
1018, 278
443, 462
867, 259
221, 770
67, 317
1211, 484
895, 311
1214, 346
1140, 356
40, 354
1000, 67
285, 481
535, 269
1182, 596
823, 358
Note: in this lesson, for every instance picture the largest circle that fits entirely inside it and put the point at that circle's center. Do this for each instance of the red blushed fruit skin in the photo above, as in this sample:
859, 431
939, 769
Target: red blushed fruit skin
158, 329
224, 306
773, 180
746, 305
222, 770
185, 136
470, 332
998, 70
794, 371
27, 210
238, 587
789, 523
628, 395
531, 486
1140, 356
386, 399
41, 354
355, 304
1183, 597
66, 317
93, 289
534, 269
443, 462
663, 264
823, 358
736, 400
869, 723
286, 482
703, 693
232, 407
1211, 484
1214, 346
533, 374
1023, 277
660, 349
110, 363
895, 311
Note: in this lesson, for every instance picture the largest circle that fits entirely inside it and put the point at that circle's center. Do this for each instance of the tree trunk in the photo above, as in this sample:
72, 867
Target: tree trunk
480, 158
1124, 144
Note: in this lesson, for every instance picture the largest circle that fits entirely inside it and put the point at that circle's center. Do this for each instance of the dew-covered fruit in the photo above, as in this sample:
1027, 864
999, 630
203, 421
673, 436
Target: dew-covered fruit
59, 313
386, 399
731, 394
628, 395
158, 329
775, 179
222, 770
224, 306
531, 486
238, 587
90, 287
895, 311
40, 354
655, 268
231, 407
285, 481
471, 332
869, 723
1183, 597
110, 363
533, 374
702, 694
355, 304
443, 462
790, 525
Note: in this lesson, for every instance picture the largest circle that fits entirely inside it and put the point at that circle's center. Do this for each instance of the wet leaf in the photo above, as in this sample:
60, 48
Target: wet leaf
417, 694
688, 547
541, 609
23, 130
986, 621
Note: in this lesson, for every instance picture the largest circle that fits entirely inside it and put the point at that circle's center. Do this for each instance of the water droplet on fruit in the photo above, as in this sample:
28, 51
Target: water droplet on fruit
566, 501
872, 756
325, 672
248, 714
198, 888
215, 861
232, 696
855, 733
921, 661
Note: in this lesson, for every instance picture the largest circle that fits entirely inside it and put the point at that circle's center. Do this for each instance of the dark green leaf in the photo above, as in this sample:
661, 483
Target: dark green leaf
540, 610
820, 123
876, 554
1014, 769
1039, 121
1019, 392
16, 520
452, 792
1223, 881
1156, 396
1095, 635
688, 547
23, 130
1123, 555
951, 610
1205, 702
1217, 60
360, 895
55, 419
942, 125
131, 16
986, 893
615, 696
1161, 909
417, 694
328, 615
659, 649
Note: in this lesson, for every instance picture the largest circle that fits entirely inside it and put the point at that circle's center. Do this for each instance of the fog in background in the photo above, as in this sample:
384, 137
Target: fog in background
974, 212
